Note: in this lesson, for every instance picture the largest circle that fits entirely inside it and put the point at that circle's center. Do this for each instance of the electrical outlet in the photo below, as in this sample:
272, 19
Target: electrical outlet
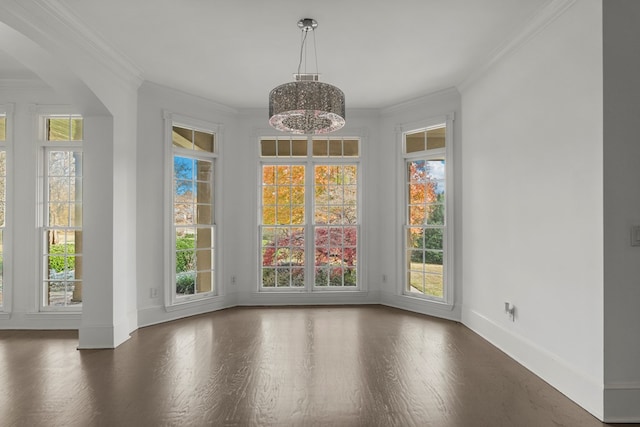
384, 278
233, 279
153, 292
510, 309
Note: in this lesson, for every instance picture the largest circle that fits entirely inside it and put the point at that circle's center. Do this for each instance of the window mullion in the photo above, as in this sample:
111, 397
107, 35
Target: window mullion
309, 216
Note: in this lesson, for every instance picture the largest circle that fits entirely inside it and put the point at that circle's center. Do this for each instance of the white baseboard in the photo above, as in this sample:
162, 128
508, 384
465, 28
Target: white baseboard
582, 388
305, 298
155, 315
421, 306
102, 336
45, 320
622, 403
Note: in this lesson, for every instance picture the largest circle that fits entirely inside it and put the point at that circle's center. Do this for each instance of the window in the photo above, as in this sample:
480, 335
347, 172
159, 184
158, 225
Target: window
426, 225
309, 214
62, 213
193, 229
3, 198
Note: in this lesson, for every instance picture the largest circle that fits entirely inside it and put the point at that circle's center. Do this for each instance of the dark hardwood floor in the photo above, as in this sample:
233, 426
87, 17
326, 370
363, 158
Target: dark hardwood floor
293, 366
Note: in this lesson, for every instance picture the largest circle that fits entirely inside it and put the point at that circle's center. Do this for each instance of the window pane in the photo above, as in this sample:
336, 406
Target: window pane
76, 129
299, 148
350, 148
203, 141
59, 189
204, 281
204, 215
336, 203
204, 192
268, 175
185, 261
436, 138
185, 283
297, 177
433, 238
283, 176
283, 247
268, 147
284, 148
183, 168
268, 277
3, 132
434, 214
204, 169
203, 259
182, 137
415, 142
320, 147
67, 128
59, 129
335, 148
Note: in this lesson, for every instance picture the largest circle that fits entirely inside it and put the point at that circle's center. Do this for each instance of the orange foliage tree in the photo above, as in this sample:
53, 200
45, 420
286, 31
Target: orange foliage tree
422, 192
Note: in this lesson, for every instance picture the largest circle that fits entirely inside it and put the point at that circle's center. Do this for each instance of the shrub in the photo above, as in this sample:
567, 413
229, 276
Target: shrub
185, 253
185, 283
57, 263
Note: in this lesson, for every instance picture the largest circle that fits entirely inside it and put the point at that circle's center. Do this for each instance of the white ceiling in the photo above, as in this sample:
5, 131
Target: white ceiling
235, 51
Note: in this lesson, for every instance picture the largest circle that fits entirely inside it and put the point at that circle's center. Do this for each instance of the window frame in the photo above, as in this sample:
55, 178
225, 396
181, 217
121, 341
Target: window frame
6, 145
310, 162
44, 147
171, 300
447, 120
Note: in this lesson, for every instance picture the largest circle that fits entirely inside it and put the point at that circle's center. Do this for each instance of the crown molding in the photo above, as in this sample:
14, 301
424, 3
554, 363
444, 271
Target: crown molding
418, 102
539, 21
52, 18
94, 44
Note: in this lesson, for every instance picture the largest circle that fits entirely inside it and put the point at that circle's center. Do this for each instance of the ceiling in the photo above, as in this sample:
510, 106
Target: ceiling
235, 52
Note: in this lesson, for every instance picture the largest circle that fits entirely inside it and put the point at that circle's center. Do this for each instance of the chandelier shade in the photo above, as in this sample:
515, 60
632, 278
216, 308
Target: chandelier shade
306, 106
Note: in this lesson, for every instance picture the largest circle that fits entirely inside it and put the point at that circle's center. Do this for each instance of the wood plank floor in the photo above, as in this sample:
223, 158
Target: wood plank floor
293, 366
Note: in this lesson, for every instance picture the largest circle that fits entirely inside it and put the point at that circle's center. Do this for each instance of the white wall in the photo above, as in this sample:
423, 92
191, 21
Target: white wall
532, 204
621, 33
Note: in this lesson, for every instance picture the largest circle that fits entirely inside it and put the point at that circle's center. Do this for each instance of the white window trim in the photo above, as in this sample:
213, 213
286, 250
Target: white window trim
309, 161
171, 302
448, 242
7, 238
44, 146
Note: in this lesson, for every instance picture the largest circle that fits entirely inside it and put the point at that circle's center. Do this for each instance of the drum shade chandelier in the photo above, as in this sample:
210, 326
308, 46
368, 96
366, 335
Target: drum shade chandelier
306, 106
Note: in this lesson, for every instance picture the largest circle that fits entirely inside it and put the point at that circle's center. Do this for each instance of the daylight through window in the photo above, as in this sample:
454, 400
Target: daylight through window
309, 219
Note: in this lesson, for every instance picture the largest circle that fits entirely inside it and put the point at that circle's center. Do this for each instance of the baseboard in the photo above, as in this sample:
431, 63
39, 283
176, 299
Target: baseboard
421, 306
102, 336
305, 298
45, 320
155, 315
621, 402
583, 389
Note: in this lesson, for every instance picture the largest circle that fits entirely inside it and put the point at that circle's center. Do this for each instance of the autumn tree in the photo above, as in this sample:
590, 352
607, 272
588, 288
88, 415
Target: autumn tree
426, 207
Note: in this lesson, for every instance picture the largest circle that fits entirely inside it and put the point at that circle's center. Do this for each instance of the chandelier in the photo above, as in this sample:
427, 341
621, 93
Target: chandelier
306, 106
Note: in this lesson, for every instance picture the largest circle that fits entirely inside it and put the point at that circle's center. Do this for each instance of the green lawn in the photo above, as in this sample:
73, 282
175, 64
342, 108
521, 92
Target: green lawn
428, 282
